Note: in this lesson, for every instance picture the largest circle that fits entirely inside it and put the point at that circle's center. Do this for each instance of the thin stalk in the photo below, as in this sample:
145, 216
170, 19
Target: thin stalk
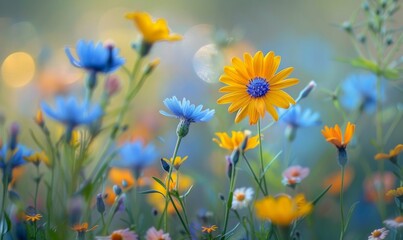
251, 222
254, 175
341, 204
167, 183
261, 157
179, 215
229, 201
3, 202
36, 186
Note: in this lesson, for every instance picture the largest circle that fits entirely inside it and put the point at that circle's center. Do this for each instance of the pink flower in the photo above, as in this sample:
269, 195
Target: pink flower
294, 175
153, 234
123, 234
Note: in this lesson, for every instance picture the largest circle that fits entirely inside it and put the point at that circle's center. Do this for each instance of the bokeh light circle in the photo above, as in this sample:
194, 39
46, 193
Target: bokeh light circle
18, 69
208, 63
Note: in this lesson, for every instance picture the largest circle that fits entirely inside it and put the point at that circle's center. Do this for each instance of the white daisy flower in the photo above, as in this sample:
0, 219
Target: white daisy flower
378, 234
394, 223
242, 197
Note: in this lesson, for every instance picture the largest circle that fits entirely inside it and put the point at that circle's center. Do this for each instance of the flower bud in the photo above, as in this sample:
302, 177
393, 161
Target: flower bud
151, 66
154, 212
91, 80
230, 165
117, 190
100, 203
389, 40
245, 140
235, 156
112, 85
14, 131
342, 156
124, 184
347, 27
39, 118
183, 128
307, 89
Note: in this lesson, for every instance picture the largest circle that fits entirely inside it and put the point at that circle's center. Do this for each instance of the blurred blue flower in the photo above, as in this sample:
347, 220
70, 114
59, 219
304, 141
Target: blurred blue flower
295, 117
96, 57
71, 113
16, 159
359, 92
136, 156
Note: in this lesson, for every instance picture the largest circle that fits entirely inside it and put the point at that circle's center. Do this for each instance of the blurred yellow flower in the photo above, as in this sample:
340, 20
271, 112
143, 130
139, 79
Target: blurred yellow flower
254, 87
118, 176
282, 210
392, 153
158, 201
37, 158
236, 140
178, 161
152, 31
398, 192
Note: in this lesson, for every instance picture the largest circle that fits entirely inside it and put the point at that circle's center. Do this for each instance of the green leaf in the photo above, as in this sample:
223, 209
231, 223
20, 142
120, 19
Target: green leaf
350, 213
321, 195
160, 182
391, 73
36, 140
7, 228
152, 191
365, 64
187, 192
269, 164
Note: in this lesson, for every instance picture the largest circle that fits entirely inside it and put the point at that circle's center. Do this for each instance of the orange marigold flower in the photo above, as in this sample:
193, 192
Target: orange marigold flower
33, 218
82, 228
210, 229
334, 135
392, 156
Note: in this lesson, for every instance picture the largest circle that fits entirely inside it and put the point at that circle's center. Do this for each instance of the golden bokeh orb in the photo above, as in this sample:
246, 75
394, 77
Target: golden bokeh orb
18, 69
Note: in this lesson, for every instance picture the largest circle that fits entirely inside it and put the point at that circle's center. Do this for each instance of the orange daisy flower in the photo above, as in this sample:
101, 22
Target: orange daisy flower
334, 135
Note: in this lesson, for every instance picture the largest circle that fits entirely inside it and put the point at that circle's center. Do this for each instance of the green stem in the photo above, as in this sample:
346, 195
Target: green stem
167, 183
254, 175
229, 201
261, 157
341, 204
251, 222
3, 203
36, 186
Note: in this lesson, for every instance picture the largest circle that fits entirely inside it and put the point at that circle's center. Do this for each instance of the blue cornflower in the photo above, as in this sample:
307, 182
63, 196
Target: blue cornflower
296, 118
187, 113
96, 57
10, 159
136, 156
71, 113
359, 91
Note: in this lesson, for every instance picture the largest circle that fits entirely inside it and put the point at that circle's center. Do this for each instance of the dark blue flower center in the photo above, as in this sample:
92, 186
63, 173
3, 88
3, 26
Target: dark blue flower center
257, 87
